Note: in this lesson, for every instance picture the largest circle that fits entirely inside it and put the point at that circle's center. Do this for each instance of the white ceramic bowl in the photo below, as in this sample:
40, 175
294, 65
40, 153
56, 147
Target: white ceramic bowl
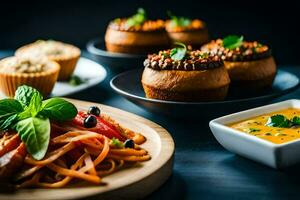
252, 147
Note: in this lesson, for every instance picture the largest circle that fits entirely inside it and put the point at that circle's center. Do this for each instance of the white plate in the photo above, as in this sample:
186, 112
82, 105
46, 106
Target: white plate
252, 147
88, 70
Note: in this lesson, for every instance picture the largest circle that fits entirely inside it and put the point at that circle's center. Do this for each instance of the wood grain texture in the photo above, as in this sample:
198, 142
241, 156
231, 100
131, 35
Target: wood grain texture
131, 183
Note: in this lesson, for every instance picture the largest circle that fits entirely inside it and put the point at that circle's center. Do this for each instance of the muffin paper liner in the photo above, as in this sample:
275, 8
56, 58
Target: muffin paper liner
67, 67
43, 82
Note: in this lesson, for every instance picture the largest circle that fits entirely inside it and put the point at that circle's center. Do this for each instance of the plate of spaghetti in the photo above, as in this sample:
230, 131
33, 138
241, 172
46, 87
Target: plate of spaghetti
68, 149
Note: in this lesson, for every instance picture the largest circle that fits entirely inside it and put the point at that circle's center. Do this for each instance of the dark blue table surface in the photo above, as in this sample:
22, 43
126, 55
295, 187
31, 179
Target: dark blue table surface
203, 169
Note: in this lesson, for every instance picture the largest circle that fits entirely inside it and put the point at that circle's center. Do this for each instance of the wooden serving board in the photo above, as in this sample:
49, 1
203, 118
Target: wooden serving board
131, 183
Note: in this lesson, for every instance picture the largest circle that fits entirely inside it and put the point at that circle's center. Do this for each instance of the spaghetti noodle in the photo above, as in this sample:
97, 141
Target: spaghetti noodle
78, 153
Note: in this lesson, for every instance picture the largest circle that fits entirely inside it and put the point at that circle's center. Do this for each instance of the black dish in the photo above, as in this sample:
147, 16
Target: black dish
129, 86
114, 62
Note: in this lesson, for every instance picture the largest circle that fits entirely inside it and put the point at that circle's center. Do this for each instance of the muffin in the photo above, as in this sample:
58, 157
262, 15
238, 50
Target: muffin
136, 35
250, 65
65, 55
176, 75
188, 31
39, 73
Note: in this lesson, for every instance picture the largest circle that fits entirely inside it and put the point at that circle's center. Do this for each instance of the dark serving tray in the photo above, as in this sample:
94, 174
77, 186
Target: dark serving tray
114, 62
128, 85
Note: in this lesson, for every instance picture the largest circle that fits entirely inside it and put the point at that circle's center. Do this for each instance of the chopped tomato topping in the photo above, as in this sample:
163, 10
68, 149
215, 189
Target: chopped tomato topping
103, 127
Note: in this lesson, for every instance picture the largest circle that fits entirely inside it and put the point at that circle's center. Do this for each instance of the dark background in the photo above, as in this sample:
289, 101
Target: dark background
203, 169
273, 23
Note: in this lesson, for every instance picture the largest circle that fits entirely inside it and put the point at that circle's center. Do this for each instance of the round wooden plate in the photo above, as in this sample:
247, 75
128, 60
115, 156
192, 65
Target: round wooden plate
131, 183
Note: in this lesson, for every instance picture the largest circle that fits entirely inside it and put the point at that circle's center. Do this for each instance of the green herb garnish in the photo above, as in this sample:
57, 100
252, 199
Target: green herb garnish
29, 115
233, 41
117, 143
204, 55
176, 21
23, 94
58, 109
296, 120
9, 109
76, 80
251, 130
139, 18
164, 54
259, 45
35, 133
279, 121
179, 52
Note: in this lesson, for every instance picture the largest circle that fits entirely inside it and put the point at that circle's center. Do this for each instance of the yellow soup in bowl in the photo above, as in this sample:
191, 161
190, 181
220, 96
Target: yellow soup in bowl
277, 127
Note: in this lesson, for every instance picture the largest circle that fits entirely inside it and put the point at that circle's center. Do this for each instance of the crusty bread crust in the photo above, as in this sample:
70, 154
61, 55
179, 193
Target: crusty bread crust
251, 70
204, 85
196, 38
136, 41
252, 75
134, 49
217, 94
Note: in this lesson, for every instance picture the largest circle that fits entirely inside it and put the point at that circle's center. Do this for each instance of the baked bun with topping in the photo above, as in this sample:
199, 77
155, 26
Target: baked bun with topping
181, 75
136, 35
250, 65
65, 55
40, 73
188, 31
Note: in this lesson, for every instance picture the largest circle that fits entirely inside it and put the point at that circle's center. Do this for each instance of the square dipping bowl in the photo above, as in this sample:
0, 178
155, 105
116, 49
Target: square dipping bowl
273, 155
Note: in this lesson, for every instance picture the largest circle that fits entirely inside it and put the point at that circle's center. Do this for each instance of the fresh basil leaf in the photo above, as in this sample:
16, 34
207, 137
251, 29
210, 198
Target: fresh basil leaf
35, 133
173, 52
8, 122
137, 19
58, 109
24, 94
278, 121
25, 114
9, 108
34, 107
179, 52
296, 120
232, 41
